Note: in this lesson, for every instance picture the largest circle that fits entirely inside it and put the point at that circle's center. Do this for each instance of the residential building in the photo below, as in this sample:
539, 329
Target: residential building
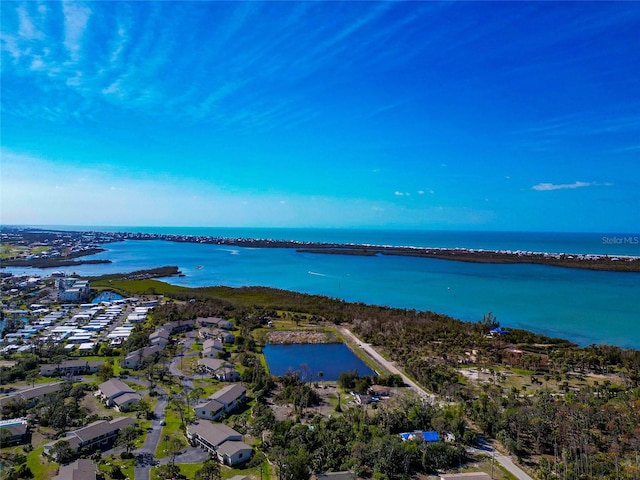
18, 432
380, 390
81, 469
70, 367
209, 410
222, 335
219, 369
32, 395
112, 392
220, 440
223, 401
212, 347
160, 337
99, 434
231, 396
135, 358
72, 289
179, 326
420, 436
233, 453
215, 322
124, 402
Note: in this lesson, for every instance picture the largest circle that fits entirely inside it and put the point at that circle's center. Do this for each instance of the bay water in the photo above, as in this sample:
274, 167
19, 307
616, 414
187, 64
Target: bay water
581, 305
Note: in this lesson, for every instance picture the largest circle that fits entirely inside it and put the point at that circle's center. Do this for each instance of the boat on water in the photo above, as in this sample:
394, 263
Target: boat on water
199, 267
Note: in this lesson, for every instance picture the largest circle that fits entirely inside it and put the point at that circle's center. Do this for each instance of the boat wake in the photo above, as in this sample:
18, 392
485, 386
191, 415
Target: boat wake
317, 274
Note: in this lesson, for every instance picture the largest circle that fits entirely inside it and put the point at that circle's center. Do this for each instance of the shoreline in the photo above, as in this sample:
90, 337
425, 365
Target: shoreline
585, 262
597, 262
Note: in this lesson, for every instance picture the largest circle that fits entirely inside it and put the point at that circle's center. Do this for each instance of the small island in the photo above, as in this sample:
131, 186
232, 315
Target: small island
583, 261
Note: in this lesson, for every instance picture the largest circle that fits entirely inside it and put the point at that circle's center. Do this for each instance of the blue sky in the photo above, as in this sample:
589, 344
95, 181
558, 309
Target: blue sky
485, 116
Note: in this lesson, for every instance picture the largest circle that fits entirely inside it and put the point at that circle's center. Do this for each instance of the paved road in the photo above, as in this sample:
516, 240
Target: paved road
174, 366
504, 460
145, 454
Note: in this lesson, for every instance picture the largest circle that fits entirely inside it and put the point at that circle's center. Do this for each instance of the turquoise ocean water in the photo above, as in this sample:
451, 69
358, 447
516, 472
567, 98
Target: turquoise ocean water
584, 306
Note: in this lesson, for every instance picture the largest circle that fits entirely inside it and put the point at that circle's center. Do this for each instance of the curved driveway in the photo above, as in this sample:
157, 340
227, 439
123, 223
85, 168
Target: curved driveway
145, 455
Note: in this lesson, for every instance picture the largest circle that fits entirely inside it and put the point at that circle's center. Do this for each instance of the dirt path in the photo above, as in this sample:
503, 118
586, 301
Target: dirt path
386, 364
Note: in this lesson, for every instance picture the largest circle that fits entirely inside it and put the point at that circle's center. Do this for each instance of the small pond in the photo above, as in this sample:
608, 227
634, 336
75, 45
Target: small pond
329, 358
107, 296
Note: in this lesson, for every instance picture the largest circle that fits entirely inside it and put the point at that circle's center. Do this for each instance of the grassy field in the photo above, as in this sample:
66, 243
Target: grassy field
40, 466
8, 250
137, 287
172, 428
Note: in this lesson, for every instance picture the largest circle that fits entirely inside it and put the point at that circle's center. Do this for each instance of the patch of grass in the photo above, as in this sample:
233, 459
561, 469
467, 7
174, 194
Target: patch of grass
254, 472
189, 469
39, 465
138, 287
126, 466
172, 428
499, 472
209, 385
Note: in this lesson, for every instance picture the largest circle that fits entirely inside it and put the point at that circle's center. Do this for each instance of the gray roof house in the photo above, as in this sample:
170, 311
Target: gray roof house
112, 391
231, 396
95, 435
220, 440
223, 335
31, 395
210, 410
179, 326
81, 469
123, 402
70, 367
215, 322
219, 368
211, 347
160, 337
233, 453
135, 358
223, 401
18, 431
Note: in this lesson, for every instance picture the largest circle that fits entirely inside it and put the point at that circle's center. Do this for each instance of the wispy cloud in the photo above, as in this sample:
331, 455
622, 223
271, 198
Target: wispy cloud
76, 18
546, 187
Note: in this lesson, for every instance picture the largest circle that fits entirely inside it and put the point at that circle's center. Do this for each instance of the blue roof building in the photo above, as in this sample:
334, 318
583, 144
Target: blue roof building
420, 436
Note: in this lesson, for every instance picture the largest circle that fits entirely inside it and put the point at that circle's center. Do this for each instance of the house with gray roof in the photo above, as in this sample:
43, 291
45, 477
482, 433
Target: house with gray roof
231, 396
135, 358
115, 393
123, 403
160, 337
18, 431
219, 369
215, 322
70, 367
179, 326
31, 395
220, 440
99, 434
81, 469
233, 453
211, 347
210, 410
